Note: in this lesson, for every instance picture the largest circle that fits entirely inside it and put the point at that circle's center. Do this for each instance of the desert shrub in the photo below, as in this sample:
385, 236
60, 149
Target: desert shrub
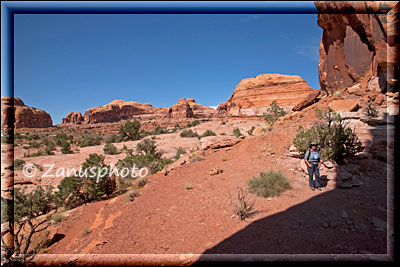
160, 130
112, 138
33, 136
48, 144
89, 140
132, 194
142, 181
188, 134
179, 151
223, 122
97, 185
85, 231
110, 149
370, 111
242, 207
69, 193
196, 158
66, 147
223, 133
148, 146
32, 204
268, 184
127, 151
335, 138
18, 164
193, 123
208, 133
27, 207
57, 217
273, 113
60, 137
188, 186
34, 144
250, 132
130, 131
236, 132
150, 161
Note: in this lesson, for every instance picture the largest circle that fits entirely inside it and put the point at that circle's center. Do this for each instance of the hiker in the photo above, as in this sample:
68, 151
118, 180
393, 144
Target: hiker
313, 161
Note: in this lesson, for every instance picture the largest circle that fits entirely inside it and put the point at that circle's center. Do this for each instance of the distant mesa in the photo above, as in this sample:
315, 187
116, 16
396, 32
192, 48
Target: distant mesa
24, 116
252, 96
123, 110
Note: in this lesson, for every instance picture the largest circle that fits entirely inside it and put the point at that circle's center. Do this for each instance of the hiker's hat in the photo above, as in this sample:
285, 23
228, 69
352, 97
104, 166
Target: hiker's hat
313, 143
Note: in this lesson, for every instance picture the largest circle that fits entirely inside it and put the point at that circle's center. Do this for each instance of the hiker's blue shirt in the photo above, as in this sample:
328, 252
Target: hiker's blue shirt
314, 157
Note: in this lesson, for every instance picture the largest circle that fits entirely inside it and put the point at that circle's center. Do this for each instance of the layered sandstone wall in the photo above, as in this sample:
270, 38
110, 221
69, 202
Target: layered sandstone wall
252, 96
24, 116
359, 44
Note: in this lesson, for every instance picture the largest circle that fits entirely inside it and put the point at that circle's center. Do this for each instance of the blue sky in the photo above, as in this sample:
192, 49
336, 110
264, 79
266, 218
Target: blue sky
67, 63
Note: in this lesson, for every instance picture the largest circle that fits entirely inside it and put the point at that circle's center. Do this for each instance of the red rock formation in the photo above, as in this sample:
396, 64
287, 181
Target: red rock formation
117, 110
188, 108
308, 100
357, 47
73, 117
122, 110
24, 116
253, 96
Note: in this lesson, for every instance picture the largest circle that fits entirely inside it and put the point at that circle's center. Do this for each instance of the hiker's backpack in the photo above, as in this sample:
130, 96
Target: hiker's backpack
309, 154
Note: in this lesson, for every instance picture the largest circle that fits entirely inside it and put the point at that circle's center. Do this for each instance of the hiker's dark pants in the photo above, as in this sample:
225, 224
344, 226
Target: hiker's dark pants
311, 171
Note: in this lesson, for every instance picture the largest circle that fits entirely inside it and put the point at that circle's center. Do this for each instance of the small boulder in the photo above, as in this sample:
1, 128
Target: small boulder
344, 105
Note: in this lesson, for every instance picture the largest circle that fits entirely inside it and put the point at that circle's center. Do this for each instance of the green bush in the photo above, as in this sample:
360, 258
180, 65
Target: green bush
142, 181
112, 138
189, 134
130, 131
69, 193
208, 133
193, 123
89, 140
160, 130
268, 184
336, 140
179, 151
148, 146
60, 137
66, 147
273, 113
32, 204
236, 132
150, 161
18, 164
110, 149
57, 217
34, 144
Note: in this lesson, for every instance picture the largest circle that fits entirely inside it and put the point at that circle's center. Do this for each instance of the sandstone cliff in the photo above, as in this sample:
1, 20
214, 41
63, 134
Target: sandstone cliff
117, 110
188, 108
359, 45
122, 110
24, 116
253, 96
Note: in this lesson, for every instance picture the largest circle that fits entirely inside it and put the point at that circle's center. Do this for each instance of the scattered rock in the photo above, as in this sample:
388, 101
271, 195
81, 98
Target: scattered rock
344, 105
307, 101
216, 171
325, 224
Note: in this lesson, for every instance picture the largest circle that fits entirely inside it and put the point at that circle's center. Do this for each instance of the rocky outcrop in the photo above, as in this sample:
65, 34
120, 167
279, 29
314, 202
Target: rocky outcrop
359, 45
73, 117
117, 110
307, 101
122, 110
188, 108
24, 116
253, 96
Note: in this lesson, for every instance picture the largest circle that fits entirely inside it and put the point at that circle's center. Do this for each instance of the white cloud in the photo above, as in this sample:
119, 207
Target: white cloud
214, 107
